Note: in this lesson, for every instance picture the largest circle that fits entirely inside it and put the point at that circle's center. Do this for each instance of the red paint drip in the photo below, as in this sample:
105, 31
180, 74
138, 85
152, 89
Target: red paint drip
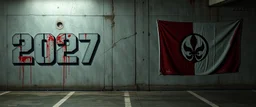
20, 72
63, 81
22, 76
24, 59
30, 75
50, 41
60, 40
20, 66
64, 74
69, 66
85, 35
64, 66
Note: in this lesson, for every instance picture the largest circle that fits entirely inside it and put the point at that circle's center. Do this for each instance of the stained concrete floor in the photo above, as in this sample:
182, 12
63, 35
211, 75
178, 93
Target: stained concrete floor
204, 98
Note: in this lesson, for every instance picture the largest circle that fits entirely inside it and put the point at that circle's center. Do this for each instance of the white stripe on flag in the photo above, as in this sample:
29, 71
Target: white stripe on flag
218, 37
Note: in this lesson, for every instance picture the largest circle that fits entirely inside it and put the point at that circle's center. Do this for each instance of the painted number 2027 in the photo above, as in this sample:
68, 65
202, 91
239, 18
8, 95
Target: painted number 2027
44, 47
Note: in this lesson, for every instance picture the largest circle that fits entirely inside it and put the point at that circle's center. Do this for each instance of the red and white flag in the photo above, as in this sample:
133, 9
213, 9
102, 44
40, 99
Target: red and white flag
188, 48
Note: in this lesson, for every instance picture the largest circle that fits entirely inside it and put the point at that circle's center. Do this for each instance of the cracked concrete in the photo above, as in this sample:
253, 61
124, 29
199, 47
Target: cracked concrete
115, 43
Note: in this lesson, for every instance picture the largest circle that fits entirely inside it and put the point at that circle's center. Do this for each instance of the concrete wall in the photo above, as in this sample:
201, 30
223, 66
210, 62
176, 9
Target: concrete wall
127, 56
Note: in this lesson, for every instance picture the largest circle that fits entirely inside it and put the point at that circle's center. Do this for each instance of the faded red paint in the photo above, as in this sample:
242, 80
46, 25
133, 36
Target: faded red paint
49, 43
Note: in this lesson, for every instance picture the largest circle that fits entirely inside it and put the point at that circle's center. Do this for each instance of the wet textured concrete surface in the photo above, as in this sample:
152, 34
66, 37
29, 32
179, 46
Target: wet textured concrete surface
222, 98
30, 99
230, 98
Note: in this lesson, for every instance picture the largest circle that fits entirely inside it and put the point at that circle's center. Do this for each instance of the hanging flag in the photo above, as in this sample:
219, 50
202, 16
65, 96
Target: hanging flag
188, 48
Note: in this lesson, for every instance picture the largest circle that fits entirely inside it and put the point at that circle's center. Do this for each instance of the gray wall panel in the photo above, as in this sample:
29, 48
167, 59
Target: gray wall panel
128, 52
124, 51
3, 54
55, 7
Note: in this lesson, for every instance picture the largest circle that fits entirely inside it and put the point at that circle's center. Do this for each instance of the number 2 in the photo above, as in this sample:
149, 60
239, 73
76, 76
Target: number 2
69, 45
24, 45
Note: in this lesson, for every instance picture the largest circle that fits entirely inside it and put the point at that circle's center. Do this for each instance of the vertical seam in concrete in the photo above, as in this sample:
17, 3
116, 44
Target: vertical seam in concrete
113, 40
139, 100
135, 30
148, 48
104, 87
218, 14
6, 43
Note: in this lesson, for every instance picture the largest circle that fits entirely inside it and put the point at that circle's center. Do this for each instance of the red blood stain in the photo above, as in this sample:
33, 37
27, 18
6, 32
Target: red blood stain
60, 39
50, 40
25, 59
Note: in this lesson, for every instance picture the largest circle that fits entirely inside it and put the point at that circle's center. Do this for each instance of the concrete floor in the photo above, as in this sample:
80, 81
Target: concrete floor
224, 98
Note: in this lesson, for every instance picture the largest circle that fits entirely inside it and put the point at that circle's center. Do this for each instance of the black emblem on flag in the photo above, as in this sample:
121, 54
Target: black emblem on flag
194, 47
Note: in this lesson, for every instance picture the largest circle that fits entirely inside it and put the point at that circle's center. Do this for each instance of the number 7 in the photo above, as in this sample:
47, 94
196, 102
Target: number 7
94, 40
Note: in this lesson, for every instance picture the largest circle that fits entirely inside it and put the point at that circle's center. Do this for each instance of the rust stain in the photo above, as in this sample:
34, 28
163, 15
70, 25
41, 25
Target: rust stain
112, 16
112, 19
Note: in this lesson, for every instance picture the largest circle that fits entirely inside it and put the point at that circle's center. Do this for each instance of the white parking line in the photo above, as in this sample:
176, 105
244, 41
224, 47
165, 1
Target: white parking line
203, 99
127, 100
4, 92
64, 99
